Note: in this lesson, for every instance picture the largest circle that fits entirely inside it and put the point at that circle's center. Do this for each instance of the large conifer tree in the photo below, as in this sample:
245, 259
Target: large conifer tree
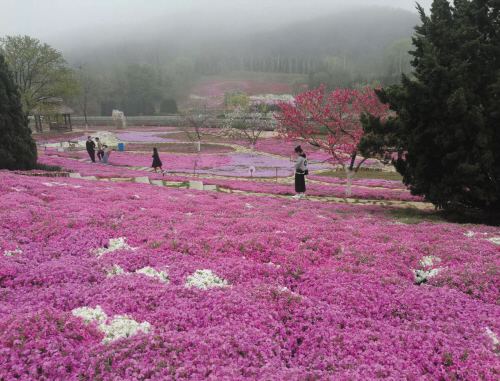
448, 123
17, 147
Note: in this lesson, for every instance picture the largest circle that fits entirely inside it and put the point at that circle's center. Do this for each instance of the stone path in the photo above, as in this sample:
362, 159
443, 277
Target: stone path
200, 186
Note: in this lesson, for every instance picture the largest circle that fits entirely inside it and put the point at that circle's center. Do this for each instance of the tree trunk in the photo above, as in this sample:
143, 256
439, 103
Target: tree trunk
197, 144
349, 175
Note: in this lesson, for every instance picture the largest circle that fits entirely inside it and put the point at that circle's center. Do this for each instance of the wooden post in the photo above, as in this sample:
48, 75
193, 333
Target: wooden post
70, 125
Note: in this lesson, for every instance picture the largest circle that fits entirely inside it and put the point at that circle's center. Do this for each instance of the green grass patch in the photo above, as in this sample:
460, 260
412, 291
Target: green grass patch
412, 216
365, 174
48, 168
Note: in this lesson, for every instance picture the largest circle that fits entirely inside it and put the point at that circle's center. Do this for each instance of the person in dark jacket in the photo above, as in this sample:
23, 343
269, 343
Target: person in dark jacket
156, 161
300, 173
90, 145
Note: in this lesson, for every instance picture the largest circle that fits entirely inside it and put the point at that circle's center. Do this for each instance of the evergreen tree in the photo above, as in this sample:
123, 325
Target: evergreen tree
448, 112
17, 147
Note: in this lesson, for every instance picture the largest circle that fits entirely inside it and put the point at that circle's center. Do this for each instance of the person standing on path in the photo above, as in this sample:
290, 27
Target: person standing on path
156, 161
300, 173
90, 145
100, 152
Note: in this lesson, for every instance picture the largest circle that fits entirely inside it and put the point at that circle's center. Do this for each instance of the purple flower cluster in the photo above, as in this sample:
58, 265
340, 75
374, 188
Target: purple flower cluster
315, 290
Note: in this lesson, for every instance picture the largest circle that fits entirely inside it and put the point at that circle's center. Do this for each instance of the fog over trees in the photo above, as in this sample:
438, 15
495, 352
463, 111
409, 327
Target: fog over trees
139, 56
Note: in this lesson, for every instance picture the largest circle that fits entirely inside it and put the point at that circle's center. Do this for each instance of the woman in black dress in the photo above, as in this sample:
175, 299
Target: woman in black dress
156, 161
300, 173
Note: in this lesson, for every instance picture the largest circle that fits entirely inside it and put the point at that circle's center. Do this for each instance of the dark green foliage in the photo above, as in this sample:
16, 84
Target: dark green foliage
447, 131
48, 168
169, 106
17, 147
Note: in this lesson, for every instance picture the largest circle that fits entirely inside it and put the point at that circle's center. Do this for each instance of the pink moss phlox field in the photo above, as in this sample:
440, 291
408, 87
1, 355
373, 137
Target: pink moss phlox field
314, 290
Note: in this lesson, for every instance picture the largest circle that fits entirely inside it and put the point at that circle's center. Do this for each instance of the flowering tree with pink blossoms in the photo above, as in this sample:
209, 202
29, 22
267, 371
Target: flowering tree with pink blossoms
332, 122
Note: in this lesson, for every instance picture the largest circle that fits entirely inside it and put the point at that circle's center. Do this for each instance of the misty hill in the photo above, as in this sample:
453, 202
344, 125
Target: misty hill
357, 35
164, 60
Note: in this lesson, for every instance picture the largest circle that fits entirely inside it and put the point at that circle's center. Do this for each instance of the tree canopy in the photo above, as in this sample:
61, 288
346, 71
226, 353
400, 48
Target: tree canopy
446, 130
17, 147
39, 70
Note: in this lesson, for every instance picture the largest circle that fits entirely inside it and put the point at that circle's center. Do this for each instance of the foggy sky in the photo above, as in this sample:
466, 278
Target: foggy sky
53, 20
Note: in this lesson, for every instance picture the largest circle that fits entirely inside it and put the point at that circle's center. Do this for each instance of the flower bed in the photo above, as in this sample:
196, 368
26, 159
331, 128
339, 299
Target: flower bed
313, 189
232, 287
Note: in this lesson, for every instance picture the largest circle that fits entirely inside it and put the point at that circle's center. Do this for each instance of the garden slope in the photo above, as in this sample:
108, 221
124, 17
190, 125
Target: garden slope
314, 290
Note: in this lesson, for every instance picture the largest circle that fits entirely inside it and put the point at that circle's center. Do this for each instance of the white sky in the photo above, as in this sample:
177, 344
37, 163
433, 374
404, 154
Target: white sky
51, 19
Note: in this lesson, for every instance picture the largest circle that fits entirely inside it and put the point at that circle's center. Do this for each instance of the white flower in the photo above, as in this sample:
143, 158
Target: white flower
121, 327
469, 234
492, 336
205, 279
248, 206
286, 290
90, 315
153, 273
273, 264
426, 272
113, 245
12, 253
136, 196
495, 240
114, 271
421, 276
429, 261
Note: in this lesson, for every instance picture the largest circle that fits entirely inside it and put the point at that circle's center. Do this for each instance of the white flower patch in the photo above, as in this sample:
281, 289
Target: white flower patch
18, 189
469, 234
286, 290
426, 272
493, 337
12, 253
205, 279
429, 261
115, 270
494, 240
113, 245
90, 315
162, 276
248, 206
136, 196
322, 217
273, 264
422, 276
121, 326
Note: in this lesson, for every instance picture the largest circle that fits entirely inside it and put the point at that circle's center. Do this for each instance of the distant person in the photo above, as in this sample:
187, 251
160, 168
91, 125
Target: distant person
90, 145
106, 152
100, 152
156, 161
300, 173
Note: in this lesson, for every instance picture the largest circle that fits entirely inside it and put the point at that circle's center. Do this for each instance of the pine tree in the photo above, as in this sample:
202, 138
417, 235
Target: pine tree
448, 111
17, 147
